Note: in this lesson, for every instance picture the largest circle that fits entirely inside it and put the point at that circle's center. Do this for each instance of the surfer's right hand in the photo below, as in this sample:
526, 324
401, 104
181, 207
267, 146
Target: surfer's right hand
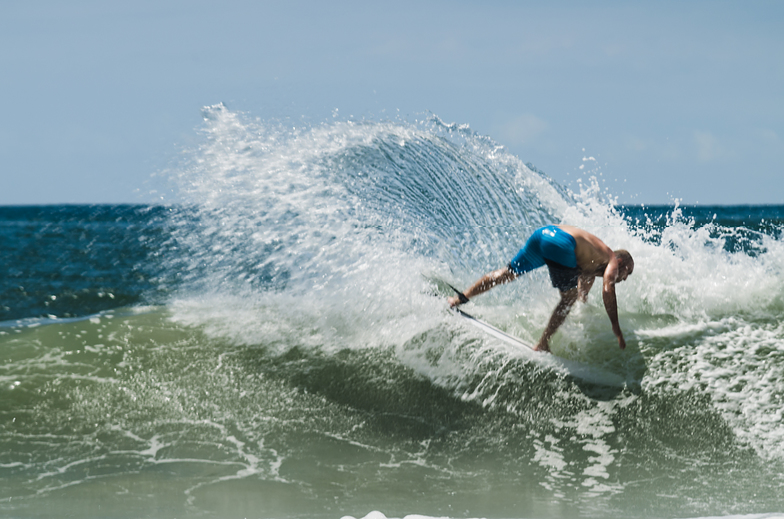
453, 301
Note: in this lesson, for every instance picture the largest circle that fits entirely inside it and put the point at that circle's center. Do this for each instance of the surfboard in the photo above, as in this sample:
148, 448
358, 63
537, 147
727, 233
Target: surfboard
585, 372
495, 332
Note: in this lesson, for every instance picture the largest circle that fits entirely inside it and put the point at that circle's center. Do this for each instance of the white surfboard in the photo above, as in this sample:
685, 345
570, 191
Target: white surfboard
592, 374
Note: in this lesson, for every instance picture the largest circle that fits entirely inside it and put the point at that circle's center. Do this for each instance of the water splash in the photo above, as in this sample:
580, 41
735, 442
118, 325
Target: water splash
342, 220
336, 235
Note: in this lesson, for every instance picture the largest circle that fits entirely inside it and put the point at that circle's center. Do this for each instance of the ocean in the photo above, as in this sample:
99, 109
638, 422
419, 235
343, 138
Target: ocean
273, 340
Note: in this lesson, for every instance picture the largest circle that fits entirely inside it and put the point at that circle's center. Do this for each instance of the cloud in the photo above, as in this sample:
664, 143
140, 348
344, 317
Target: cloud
709, 148
523, 129
769, 138
659, 149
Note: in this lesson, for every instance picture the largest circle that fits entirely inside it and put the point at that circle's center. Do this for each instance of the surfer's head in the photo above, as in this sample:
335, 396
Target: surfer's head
625, 264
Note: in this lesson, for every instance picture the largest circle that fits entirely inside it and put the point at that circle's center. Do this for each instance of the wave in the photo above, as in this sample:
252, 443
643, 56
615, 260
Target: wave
346, 218
341, 235
299, 344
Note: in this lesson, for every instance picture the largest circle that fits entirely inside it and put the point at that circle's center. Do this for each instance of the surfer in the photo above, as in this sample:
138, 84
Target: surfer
575, 259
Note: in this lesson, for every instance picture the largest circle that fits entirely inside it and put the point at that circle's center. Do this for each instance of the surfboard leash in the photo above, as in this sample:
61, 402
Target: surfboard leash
460, 296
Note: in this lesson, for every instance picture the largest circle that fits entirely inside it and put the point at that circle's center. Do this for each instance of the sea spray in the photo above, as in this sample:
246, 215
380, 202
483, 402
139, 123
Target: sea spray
346, 221
300, 360
337, 236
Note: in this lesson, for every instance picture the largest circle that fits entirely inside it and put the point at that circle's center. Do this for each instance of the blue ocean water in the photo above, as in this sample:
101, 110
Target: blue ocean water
71, 261
274, 342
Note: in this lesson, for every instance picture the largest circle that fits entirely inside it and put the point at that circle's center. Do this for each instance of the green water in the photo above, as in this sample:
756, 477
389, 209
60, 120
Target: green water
129, 415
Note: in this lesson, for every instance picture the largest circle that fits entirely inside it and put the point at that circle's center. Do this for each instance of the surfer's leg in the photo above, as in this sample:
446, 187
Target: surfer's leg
558, 245
485, 283
530, 255
527, 259
568, 298
584, 286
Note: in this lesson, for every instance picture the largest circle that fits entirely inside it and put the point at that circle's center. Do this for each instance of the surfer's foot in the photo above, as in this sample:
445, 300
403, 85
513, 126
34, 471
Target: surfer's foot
543, 347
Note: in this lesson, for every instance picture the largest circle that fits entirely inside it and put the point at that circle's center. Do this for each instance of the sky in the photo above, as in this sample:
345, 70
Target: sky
674, 100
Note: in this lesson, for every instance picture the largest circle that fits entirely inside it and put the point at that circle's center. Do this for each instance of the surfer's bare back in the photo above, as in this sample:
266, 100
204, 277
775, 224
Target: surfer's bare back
575, 259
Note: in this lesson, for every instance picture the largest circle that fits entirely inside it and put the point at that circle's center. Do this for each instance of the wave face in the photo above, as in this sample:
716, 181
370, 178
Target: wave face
299, 359
349, 219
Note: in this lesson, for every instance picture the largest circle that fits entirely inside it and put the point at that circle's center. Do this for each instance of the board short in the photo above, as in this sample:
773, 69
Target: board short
553, 247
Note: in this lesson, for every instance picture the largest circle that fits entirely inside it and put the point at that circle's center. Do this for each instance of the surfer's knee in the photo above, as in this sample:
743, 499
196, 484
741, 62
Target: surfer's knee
569, 295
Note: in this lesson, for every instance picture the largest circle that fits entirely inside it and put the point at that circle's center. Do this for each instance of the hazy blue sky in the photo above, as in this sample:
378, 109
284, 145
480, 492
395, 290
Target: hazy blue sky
675, 99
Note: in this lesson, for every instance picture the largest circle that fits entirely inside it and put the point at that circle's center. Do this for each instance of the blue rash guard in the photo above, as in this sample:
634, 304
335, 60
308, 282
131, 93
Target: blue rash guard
553, 247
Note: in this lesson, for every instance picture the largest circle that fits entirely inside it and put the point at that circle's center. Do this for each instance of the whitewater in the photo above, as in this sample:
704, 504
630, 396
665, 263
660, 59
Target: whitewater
273, 340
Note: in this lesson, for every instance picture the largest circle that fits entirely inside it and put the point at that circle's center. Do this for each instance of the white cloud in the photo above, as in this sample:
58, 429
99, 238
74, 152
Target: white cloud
708, 147
659, 149
522, 129
769, 138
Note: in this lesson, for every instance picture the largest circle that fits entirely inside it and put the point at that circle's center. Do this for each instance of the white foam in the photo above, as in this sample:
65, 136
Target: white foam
304, 211
328, 237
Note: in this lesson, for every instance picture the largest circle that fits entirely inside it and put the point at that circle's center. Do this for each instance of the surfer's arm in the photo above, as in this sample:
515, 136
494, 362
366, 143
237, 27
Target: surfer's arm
485, 283
610, 301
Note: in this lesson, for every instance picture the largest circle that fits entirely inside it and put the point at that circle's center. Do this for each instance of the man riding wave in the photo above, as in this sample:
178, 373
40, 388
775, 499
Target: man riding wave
575, 259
